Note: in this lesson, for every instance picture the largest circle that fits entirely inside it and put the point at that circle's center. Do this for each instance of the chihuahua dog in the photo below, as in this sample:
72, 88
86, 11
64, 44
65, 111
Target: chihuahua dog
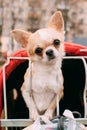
43, 80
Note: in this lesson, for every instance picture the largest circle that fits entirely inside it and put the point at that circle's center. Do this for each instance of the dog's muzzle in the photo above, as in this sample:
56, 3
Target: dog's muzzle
50, 54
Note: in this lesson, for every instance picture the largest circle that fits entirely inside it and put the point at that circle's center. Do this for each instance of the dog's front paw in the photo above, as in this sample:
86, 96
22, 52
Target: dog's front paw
48, 114
33, 115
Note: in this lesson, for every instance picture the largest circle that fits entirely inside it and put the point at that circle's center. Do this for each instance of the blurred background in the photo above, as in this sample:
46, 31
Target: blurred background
31, 15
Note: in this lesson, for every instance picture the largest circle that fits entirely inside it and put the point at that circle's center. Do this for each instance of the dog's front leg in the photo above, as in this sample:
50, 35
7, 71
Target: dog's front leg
51, 109
54, 104
33, 114
28, 97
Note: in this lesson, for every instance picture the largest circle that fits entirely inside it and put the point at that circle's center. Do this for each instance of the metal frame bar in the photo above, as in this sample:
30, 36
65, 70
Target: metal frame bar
85, 67
15, 122
25, 122
4, 82
4, 79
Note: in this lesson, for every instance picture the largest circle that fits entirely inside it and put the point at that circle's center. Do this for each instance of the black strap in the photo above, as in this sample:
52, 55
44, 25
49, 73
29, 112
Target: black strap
61, 123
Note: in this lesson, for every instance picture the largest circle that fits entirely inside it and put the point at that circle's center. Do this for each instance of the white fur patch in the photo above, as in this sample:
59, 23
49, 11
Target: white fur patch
49, 34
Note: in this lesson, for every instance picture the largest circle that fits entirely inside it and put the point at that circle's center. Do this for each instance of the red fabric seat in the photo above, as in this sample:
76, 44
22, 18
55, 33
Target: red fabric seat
74, 49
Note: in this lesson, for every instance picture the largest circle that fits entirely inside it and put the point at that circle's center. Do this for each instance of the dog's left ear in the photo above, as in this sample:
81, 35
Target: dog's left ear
56, 21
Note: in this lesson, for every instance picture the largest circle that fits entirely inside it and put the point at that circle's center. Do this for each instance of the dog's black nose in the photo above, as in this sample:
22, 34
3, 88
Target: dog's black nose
50, 54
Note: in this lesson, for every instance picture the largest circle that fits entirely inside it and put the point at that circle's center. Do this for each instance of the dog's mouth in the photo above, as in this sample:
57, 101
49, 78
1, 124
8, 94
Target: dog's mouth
51, 57
52, 60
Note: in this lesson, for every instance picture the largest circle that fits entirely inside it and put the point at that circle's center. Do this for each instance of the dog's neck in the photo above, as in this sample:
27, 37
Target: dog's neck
39, 66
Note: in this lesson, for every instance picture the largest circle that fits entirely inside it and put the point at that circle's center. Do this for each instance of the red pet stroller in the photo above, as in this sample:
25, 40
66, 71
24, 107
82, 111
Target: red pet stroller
75, 84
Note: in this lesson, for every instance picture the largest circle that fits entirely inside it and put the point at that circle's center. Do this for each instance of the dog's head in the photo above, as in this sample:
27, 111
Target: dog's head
45, 45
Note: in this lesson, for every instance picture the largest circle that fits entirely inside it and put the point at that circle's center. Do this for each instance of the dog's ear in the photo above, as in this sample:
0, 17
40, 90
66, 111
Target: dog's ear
56, 21
21, 36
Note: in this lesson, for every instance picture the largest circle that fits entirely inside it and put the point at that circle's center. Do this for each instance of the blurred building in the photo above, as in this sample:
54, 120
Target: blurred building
78, 20
33, 14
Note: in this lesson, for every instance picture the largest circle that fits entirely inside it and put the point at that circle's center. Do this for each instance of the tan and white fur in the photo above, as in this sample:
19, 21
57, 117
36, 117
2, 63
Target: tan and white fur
43, 80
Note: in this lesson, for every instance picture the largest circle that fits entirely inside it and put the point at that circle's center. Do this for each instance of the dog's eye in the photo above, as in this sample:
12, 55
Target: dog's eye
38, 50
56, 42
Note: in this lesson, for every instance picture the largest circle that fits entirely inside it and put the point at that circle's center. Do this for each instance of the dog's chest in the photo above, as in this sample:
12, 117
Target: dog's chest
43, 81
